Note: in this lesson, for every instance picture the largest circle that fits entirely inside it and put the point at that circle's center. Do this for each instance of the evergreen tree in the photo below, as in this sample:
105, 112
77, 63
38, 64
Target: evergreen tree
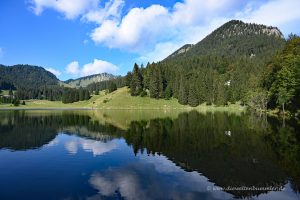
112, 87
136, 86
183, 94
168, 92
86, 95
193, 98
160, 85
153, 83
81, 94
128, 79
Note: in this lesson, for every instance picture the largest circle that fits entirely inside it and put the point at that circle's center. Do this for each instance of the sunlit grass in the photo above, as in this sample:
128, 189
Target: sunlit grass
121, 99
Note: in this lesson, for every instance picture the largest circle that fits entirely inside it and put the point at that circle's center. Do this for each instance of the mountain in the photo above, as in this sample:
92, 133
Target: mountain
226, 66
20, 76
236, 39
85, 81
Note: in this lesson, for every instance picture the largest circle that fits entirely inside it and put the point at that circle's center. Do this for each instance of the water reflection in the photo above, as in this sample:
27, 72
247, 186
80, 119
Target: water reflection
88, 145
158, 158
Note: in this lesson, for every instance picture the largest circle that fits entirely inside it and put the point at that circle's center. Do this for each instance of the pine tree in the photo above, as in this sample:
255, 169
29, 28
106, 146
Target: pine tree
86, 95
168, 92
160, 85
193, 98
183, 94
136, 86
153, 84
81, 94
128, 79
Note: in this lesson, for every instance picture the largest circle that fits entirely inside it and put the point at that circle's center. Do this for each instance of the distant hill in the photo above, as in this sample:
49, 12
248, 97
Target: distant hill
85, 81
25, 76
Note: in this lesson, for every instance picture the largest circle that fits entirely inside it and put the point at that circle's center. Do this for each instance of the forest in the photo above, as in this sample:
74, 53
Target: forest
261, 78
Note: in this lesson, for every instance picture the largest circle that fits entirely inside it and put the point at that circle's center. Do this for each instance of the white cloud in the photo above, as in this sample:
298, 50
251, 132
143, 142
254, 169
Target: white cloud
53, 71
275, 13
73, 68
98, 66
95, 67
138, 28
144, 29
70, 9
111, 10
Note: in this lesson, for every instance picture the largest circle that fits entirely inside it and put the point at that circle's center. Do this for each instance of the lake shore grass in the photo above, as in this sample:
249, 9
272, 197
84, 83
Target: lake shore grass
119, 100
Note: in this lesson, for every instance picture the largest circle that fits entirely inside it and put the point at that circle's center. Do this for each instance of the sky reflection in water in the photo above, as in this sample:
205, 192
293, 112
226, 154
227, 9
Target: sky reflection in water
146, 161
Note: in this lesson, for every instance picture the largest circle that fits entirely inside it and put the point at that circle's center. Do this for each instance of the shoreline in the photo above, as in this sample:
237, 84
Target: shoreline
201, 108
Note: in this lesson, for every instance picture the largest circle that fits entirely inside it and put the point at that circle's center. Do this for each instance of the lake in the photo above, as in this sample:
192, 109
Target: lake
147, 155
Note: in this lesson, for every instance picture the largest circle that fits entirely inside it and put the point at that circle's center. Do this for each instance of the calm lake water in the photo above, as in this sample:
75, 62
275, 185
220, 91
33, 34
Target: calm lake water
147, 155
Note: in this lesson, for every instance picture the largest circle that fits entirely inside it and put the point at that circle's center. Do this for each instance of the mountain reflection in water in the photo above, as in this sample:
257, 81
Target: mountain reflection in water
186, 157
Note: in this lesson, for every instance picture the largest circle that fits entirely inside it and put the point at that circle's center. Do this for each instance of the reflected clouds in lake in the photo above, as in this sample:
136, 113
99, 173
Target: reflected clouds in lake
152, 178
89, 145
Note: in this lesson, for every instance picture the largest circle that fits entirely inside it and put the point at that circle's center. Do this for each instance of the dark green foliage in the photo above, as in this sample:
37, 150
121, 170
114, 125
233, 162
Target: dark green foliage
71, 95
136, 85
105, 85
5, 100
51, 93
168, 92
193, 99
23, 103
183, 92
282, 76
16, 102
143, 93
25, 76
112, 87
128, 79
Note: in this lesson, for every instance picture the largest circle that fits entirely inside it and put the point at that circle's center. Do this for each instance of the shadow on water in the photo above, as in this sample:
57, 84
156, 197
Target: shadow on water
230, 150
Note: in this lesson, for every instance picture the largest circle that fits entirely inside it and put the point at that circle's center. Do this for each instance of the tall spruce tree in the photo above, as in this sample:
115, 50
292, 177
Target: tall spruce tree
136, 86
153, 83
183, 93
193, 98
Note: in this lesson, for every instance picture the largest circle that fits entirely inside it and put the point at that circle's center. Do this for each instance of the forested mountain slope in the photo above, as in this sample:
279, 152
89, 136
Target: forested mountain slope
223, 67
25, 76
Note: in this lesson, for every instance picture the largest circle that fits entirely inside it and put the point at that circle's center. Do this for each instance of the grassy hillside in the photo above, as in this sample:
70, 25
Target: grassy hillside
121, 99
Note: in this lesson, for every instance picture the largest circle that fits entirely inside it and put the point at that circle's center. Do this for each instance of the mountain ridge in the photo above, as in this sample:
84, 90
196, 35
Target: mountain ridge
86, 80
227, 35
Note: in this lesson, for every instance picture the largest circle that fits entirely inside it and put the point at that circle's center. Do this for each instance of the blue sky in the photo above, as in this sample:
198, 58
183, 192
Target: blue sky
74, 38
